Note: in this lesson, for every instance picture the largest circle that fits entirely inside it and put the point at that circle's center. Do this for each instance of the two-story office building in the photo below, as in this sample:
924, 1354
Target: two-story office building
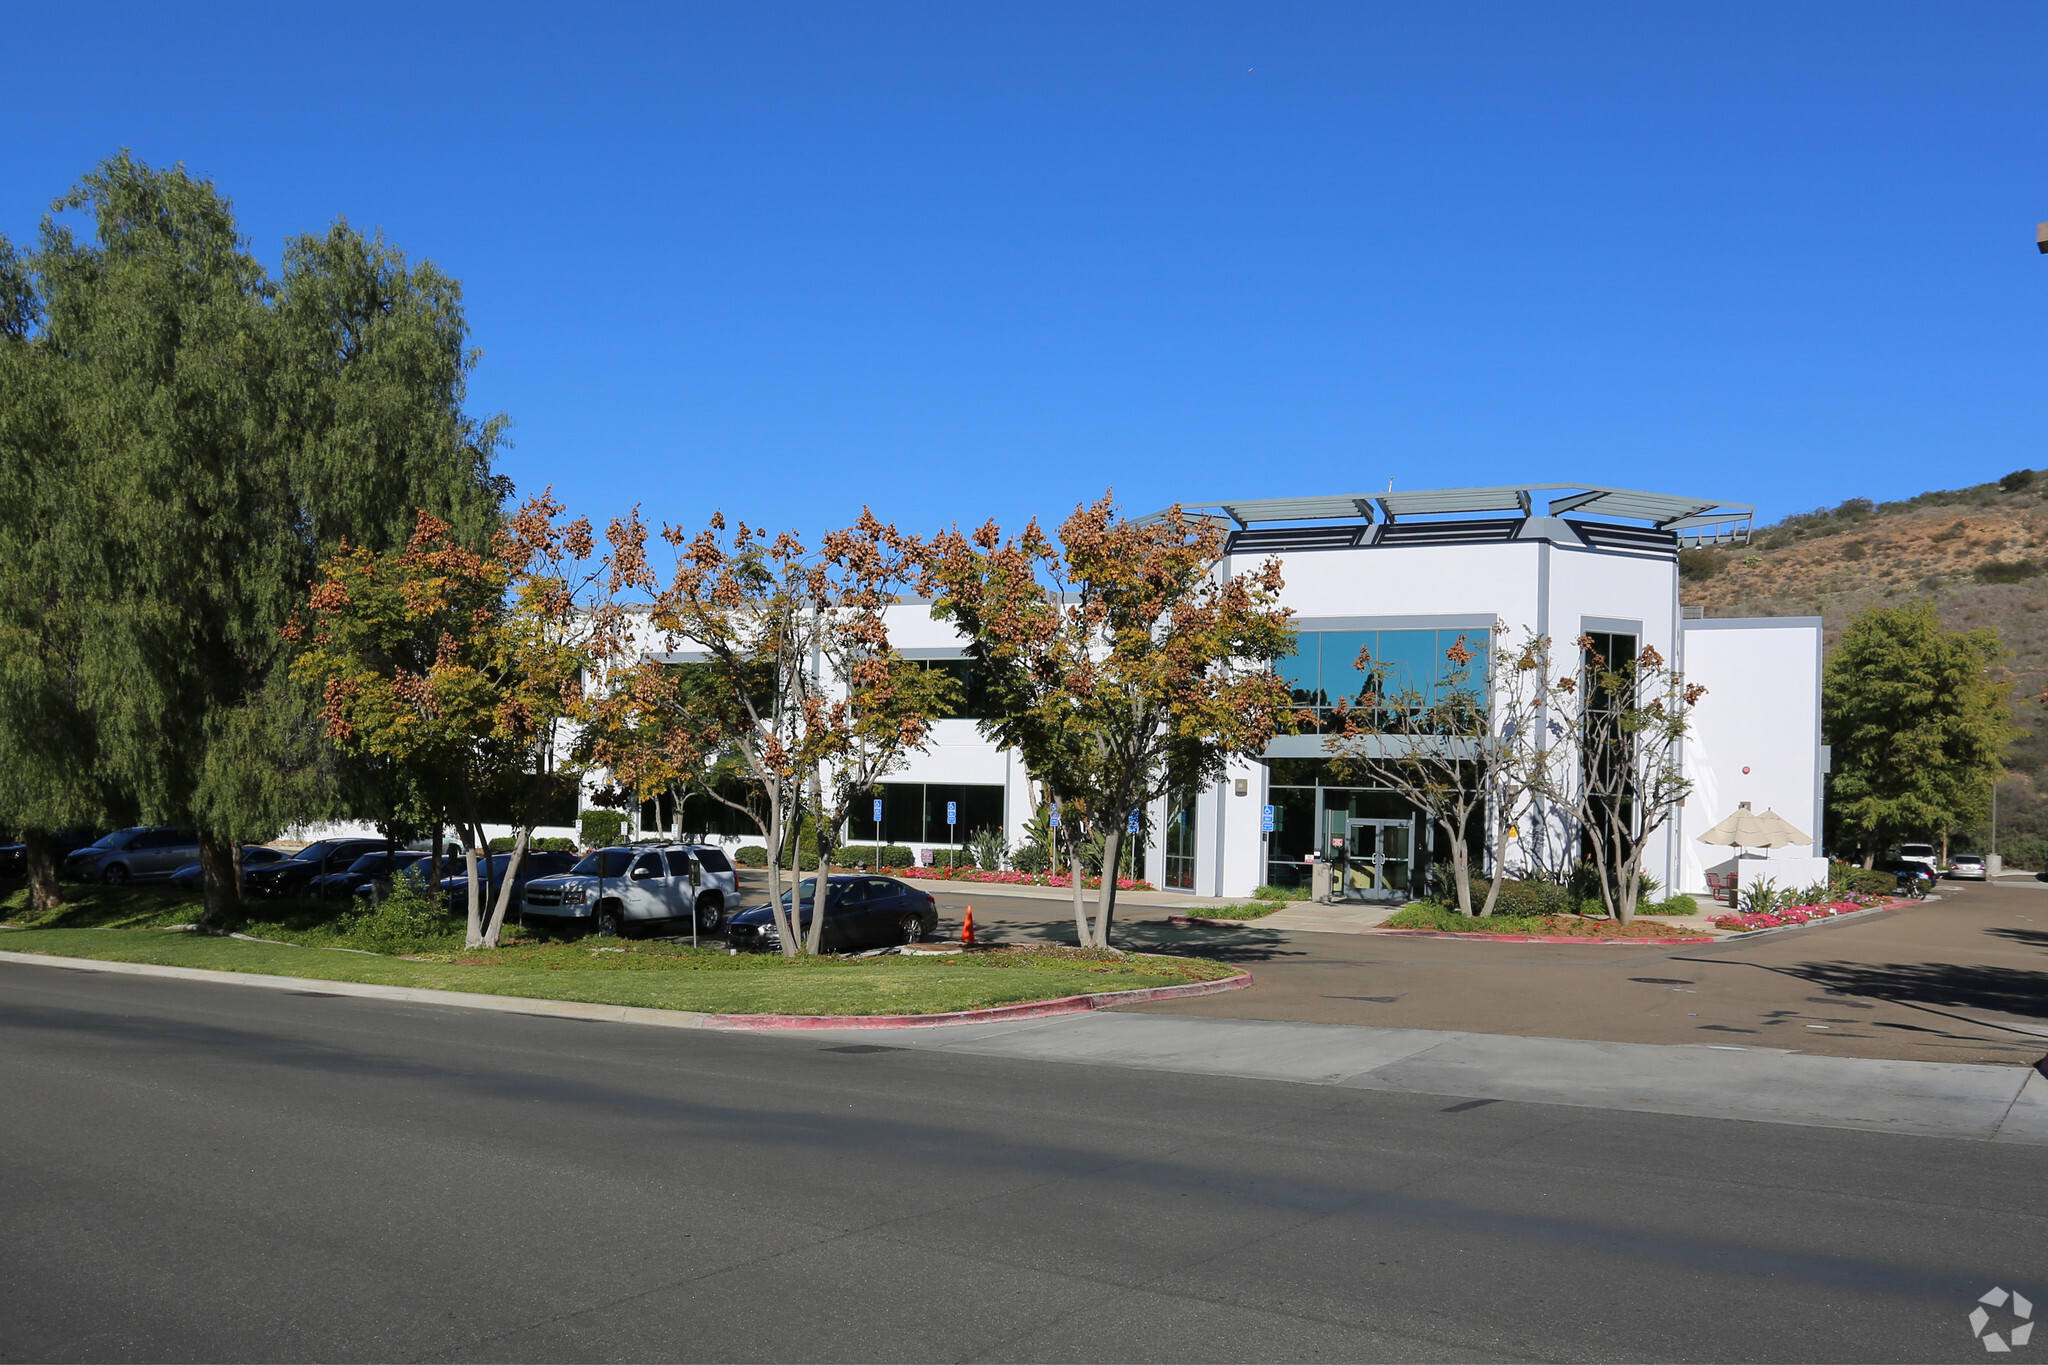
1404, 575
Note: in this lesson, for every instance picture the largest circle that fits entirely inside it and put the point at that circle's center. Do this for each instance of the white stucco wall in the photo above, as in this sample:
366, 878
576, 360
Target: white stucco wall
1755, 738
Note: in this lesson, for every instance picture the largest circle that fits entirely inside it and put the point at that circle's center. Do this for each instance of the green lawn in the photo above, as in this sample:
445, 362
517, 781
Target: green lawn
1247, 910
658, 975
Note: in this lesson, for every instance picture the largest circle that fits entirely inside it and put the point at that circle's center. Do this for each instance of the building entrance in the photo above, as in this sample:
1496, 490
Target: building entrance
1371, 859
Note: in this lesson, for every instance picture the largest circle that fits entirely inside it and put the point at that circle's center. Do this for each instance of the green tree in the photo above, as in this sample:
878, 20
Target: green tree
1917, 718
1121, 663
461, 669
226, 433
50, 769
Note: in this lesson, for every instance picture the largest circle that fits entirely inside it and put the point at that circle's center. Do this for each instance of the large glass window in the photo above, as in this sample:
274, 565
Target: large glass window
973, 702
915, 813
1330, 668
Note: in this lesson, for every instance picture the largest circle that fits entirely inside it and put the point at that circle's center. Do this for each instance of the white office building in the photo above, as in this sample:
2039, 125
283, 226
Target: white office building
1406, 574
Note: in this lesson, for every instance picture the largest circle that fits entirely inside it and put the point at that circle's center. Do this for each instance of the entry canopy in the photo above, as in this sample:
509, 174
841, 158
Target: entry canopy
1666, 511
1747, 829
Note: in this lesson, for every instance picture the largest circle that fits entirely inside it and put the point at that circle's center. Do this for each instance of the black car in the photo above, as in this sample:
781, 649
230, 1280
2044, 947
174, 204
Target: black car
190, 878
63, 843
536, 863
861, 911
142, 853
292, 876
371, 867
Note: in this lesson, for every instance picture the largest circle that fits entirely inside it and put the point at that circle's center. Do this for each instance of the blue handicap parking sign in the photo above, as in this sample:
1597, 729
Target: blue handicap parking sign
1266, 820
878, 810
1133, 825
952, 812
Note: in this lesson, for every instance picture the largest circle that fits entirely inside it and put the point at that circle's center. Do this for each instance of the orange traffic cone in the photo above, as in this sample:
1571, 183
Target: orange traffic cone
967, 928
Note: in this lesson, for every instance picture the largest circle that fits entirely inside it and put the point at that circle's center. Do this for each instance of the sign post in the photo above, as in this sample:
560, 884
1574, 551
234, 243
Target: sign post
952, 819
878, 834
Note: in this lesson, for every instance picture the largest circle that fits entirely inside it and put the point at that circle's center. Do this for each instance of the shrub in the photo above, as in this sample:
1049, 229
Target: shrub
1271, 893
1525, 898
750, 855
952, 857
2025, 850
406, 921
989, 847
1676, 905
537, 845
602, 827
893, 855
1031, 858
1446, 919
1855, 549
2017, 480
1759, 897
1699, 564
2007, 571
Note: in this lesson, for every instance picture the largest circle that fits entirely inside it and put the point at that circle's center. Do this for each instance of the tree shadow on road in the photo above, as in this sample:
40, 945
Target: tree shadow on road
2006, 990
1139, 936
2032, 938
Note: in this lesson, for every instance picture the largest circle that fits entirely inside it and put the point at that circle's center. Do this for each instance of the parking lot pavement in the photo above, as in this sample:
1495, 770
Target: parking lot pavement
1962, 979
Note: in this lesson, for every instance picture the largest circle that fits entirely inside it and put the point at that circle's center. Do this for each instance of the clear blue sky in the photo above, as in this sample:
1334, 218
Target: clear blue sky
972, 260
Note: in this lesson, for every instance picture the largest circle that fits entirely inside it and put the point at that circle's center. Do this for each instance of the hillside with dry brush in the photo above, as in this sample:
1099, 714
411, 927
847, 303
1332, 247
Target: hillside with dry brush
1979, 554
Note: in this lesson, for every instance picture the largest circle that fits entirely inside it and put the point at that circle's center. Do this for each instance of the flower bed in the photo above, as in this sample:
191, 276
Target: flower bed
976, 874
1795, 914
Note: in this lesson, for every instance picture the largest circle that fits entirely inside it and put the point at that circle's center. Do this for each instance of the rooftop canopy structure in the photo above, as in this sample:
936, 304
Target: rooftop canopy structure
1692, 520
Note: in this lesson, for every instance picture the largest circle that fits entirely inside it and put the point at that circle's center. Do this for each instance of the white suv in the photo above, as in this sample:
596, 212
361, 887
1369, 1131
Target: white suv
639, 886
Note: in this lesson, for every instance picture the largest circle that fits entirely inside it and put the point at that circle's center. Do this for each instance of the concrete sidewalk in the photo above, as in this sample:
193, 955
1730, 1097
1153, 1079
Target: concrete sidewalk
1928, 1099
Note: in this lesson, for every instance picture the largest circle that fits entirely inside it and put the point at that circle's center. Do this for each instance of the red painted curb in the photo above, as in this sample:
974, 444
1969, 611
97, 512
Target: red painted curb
1539, 938
1036, 1009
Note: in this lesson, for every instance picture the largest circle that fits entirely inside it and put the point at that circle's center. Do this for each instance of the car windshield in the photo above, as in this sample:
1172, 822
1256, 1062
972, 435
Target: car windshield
606, 862
118, 839
809, 888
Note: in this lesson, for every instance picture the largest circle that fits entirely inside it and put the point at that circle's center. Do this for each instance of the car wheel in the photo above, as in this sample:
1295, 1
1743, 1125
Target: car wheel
710, 913
117, 875
606, 923
912, 928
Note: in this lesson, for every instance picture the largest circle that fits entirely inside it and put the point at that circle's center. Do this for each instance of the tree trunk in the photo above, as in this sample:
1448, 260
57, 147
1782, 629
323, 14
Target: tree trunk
1078, 873
1105, 892
1461, 869
433, 860
791, 921
222, 887
473, 937
41, 856
505, 891
1497, 875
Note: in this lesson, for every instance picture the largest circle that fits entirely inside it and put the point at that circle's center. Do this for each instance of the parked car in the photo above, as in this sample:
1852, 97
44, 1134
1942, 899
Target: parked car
614, 890
63, 843
369, 868
861, 911
1922, 875
292, 876
1917, 853
189, 877
455, 887
141, 853
1968, 867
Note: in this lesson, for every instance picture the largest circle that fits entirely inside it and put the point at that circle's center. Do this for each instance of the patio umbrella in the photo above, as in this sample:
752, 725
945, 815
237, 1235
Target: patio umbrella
1747, 829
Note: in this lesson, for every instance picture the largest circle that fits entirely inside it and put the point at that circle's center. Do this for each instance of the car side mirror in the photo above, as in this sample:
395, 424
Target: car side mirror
641, 874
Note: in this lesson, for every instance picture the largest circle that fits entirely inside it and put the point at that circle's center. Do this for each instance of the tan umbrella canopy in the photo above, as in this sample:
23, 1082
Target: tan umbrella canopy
1747, 829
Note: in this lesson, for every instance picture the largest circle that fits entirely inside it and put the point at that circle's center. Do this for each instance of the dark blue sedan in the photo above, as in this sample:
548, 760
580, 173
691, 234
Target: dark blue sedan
860, 912
188, 877
371, 867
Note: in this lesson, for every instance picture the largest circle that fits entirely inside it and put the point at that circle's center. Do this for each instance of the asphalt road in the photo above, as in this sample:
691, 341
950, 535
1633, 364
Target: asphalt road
196, 1172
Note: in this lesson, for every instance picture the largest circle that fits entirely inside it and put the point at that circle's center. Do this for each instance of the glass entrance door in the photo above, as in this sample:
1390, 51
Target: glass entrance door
1378, 861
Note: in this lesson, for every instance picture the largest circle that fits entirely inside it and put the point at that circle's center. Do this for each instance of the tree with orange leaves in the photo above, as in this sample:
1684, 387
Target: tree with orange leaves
1124, 662
774, 666
464, 666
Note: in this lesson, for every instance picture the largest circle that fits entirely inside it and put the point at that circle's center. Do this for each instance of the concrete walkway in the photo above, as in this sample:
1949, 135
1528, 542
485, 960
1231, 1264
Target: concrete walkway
1928, 1099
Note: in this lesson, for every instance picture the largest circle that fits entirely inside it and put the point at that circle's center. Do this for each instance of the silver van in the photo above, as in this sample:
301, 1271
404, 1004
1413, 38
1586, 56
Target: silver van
141, 853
